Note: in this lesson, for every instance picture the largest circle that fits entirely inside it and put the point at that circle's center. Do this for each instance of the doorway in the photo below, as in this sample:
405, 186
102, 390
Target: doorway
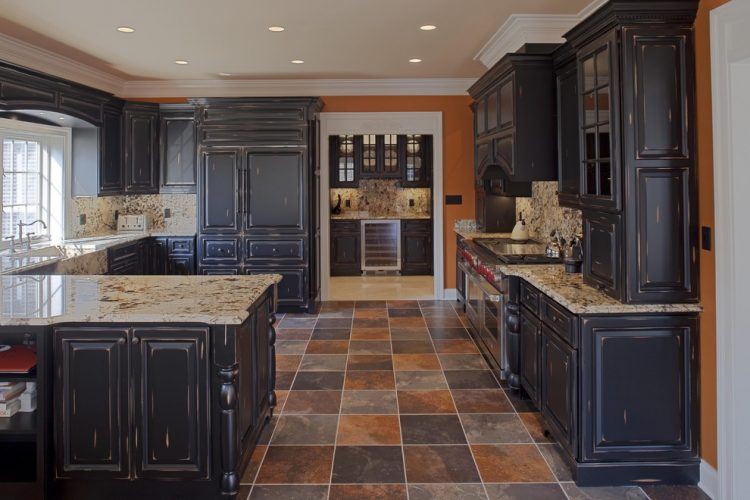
378, 126
730, 81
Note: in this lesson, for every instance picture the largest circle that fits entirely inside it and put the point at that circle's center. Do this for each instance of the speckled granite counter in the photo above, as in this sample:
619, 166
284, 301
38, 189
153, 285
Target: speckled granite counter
355, 216
473, 235
69, 252
49, 299
570, 291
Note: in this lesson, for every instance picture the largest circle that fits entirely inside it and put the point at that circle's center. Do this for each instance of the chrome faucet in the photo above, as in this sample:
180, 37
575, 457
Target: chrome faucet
21, 225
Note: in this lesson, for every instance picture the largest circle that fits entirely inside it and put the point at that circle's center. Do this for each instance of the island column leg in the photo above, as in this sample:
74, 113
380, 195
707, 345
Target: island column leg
272, 362
228, 404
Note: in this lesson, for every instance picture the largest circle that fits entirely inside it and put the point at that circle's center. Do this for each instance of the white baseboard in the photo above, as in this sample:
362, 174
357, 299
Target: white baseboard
709, 481
450, 294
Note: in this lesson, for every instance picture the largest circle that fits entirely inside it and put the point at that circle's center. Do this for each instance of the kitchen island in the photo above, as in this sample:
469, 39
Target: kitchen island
147, 386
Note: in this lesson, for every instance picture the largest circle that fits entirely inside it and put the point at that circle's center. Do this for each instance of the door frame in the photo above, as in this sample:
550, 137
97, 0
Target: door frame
730, 78
428, 123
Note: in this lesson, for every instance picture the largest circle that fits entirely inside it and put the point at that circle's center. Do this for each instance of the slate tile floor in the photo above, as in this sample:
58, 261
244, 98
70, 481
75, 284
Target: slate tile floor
393, 400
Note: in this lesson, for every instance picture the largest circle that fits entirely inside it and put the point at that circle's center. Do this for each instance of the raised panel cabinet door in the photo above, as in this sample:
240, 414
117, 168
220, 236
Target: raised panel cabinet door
640, 400
293, 288
219, 197
180, 265
345, 254
111, 174
265, 338
530, 343
141, 151
416, 253
275, 189
569, 167
177, 140
559, 398
91, 406
171, 398
602, 233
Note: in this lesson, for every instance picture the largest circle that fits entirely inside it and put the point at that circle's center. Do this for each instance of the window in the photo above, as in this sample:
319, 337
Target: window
33, 188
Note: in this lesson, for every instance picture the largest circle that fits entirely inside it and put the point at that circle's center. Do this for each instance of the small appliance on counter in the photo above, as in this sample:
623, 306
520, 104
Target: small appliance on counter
573, 258
135, 223
520, 231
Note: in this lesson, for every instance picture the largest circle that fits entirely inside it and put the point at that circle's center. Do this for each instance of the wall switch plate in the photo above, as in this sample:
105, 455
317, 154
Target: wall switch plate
453, 199
82, 220
706, 238
411, 202
348, 203
167, 213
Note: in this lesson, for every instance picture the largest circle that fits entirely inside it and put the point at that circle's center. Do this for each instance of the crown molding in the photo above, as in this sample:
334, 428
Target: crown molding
519, 29
30, 56
296, 87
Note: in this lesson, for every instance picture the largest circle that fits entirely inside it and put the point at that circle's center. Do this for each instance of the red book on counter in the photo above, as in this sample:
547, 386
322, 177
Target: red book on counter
16, 359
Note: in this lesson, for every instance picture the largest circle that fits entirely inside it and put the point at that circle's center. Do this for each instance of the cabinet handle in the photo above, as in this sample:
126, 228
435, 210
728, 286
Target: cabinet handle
136, 340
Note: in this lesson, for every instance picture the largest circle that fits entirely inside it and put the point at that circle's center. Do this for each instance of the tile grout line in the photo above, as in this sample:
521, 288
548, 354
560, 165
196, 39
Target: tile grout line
398, 406
458, 416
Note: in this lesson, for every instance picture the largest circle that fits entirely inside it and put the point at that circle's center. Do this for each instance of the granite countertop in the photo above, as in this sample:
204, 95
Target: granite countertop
42, 255
569, 290
49, 299
362, 216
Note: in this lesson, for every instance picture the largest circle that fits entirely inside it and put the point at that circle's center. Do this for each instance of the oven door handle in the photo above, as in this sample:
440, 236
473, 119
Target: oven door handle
490, 292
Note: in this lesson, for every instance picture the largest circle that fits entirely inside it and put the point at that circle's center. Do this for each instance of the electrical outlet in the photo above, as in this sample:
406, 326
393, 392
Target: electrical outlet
348, 203
117, 216
167, 213
411, 202
82, 220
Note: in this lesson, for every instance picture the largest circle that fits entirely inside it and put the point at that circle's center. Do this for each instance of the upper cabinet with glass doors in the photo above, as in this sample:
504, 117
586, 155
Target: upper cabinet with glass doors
407, 158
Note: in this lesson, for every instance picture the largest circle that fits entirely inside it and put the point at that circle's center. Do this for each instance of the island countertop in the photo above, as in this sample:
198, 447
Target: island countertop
50, 299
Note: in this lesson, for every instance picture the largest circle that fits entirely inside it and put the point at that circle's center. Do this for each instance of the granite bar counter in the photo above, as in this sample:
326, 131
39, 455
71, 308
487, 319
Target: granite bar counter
141, 380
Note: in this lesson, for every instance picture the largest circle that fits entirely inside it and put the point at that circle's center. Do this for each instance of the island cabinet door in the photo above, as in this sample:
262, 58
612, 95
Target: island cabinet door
91, 402
530, 340
170, 398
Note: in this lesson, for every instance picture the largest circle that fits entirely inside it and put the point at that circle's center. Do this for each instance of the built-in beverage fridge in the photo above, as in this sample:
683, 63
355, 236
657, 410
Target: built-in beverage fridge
381, 248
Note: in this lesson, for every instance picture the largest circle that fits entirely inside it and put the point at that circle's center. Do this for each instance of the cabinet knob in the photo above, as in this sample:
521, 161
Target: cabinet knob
121, 340
136, 340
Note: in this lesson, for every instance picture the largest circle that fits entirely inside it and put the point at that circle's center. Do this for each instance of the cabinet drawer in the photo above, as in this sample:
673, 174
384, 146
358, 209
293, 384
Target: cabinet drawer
127, 251
559, 319
217, 271
530, 297
180, 246
219, 250
269, 249
415, 226
345, 226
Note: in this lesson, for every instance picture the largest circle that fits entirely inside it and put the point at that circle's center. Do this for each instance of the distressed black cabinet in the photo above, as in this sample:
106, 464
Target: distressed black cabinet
559, 388
568, 130
637, 144
177, 148
141, 121
111, 173
381, 158
416, 247
91, 440
346, 248
345, 153
171, 395
602, 260
416, 152
530, 347
220, 207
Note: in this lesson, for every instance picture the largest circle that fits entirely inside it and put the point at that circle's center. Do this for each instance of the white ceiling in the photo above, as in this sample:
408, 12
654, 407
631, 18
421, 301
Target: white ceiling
337, 39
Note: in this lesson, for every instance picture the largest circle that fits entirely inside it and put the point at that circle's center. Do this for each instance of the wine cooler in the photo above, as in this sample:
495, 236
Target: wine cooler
381, 245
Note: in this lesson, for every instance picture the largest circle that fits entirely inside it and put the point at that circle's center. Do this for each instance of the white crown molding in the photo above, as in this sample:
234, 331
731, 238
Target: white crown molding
30, 56
296, 87
519, 29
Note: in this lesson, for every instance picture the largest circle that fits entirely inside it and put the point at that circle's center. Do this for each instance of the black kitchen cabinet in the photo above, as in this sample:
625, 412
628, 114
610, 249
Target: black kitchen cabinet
530, 347
346, 248
220, 210
111, 172
91, 412
182, 265
177, 148
416, 159
568, 131
154, 256
257, 173
345, 153
141, 121
381, 156
126, 259
274, 190
602, 260
416, 247
514, 115
636, 87
171, 414
559, 388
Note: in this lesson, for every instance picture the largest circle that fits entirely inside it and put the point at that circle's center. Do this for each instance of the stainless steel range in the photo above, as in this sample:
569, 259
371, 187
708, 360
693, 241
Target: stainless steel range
491, 297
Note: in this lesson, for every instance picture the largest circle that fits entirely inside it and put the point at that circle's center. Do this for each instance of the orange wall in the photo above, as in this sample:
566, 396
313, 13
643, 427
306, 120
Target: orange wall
458, 154
706, 218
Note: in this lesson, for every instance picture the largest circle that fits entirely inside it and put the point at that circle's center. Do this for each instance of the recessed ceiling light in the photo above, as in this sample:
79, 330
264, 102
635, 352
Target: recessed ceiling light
415, 60
276, 29
181, 62
428, 27
42, 113
125, 29
297, 61
61, 118
225, 74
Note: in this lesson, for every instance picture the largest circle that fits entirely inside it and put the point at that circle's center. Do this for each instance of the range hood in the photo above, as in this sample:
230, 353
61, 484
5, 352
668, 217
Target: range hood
496, 182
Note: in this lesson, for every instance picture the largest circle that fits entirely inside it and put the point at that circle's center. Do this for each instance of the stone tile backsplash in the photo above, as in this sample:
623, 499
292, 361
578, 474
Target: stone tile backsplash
383, 198
100, 213
543, 213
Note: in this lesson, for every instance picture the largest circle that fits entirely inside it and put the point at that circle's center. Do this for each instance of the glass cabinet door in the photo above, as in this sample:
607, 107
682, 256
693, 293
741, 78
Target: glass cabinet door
343, 161
416, 161
599, 182
369, 155
390, 164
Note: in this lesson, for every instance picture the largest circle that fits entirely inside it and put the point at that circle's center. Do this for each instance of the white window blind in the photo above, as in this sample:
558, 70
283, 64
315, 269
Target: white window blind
22, 184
